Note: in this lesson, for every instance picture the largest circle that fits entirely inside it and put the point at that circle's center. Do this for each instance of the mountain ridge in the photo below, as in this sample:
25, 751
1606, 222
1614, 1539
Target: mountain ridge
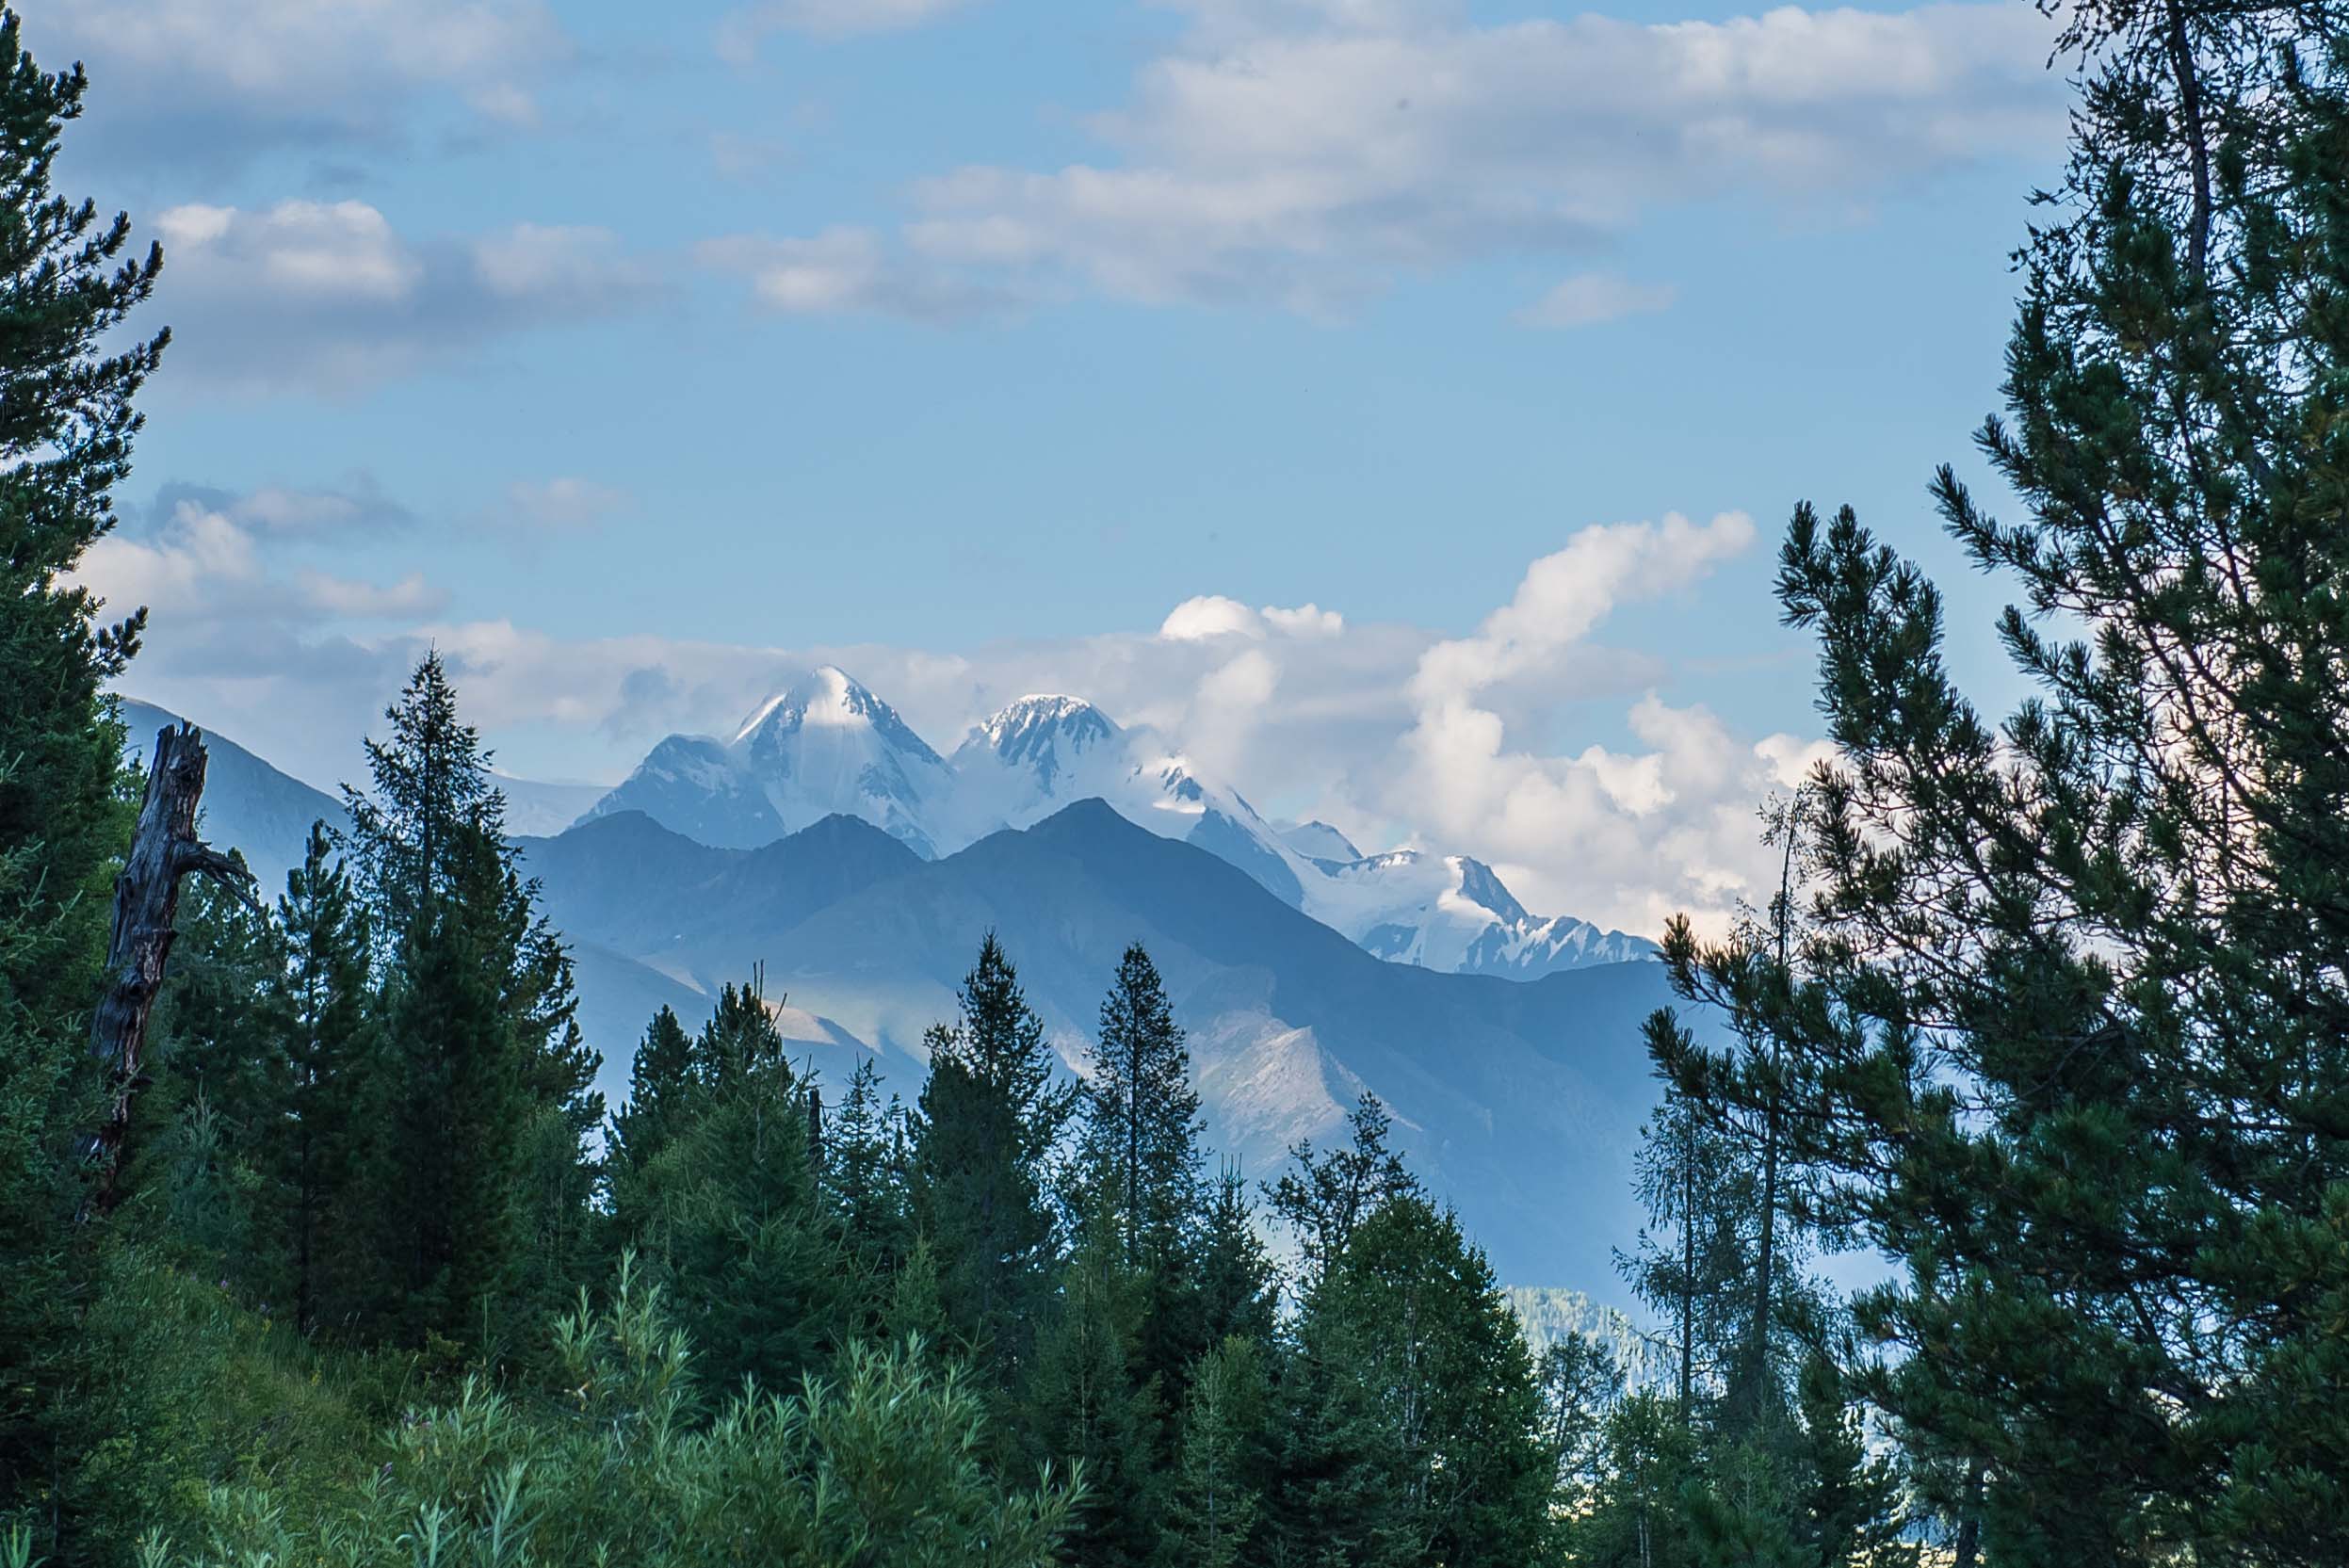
1509, 1094
1040, 752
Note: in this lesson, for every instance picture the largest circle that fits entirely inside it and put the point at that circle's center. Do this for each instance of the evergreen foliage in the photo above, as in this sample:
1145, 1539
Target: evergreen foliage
2048, 1011
68, 283
320, 998
1415, 1427
1325, 1196
2065, 1032
986, 1135
479, 1173
1224, 1460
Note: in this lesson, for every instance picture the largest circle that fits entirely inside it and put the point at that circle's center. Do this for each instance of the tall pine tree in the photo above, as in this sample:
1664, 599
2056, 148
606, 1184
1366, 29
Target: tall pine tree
67, 387
1138, 1164
487, 1087
986, 1136
2066, 1033
324, 1003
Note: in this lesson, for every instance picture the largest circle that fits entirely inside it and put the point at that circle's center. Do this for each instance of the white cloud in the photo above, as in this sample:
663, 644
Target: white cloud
1308, 152
202, 570
348, 599
1304, 620
1565, 595
1632, 837
565, 265
1593, 298
215, 81
328, 296
312, 251
741, 31
1211, 615
846, 269
1226, 711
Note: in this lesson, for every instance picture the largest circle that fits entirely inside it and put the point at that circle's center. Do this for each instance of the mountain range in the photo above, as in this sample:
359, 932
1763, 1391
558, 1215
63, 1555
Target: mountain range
825, 744
1519, 1099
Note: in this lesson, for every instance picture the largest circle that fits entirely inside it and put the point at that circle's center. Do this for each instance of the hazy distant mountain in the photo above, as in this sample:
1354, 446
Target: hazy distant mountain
1520, 1101
534, 806
827, 744
254, 807
248, 805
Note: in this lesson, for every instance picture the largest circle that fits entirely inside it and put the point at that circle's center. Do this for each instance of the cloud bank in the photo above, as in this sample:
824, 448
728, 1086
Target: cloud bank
1393, 732
1306, 156
328, 296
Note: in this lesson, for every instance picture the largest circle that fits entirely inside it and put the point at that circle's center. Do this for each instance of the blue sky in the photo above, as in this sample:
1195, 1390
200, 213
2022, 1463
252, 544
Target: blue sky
638, 354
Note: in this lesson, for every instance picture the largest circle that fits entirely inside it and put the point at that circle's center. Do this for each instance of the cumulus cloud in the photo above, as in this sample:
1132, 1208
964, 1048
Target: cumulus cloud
1565, 595
1306, 152
1210, 616
328, 296
1631, 837
205, 565
182, 81
1594, 298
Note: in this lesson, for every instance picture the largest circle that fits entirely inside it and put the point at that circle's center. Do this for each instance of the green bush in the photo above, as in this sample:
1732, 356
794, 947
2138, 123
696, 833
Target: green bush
881, 1463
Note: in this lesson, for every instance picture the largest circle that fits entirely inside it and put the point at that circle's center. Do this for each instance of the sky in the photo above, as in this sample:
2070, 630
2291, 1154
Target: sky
1396, 403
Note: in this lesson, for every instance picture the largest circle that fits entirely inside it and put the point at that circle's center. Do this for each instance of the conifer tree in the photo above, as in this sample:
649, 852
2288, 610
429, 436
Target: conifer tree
1089, 1406
1640, 1511
2066, 1033
1138, 1163
322, 1002
1695, 1257
990, 1122
67, 419
740, 1040
203, 1148
1851, 1503
1580, 1380
487, 1088
1415, 1425
729, 1218
1223, 1460
1141, 1147
1239, 1288
409, 835
661, 1092
864, 1170
1323, 1198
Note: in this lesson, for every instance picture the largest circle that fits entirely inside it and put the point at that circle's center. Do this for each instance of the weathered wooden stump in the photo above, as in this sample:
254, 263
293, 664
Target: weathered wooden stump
146, 902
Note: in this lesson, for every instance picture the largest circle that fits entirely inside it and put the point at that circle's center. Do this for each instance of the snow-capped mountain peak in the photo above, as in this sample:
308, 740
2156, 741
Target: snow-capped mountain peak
1318, 840
828, 697
823, 743
1044, 732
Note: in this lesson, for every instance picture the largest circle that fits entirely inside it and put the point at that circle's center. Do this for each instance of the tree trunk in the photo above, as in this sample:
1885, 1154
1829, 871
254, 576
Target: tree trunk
1969, 1520
1766, 1265
146, 900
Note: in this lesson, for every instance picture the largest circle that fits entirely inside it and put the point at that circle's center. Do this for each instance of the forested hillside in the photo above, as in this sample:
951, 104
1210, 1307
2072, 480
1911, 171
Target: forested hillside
355, 1265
